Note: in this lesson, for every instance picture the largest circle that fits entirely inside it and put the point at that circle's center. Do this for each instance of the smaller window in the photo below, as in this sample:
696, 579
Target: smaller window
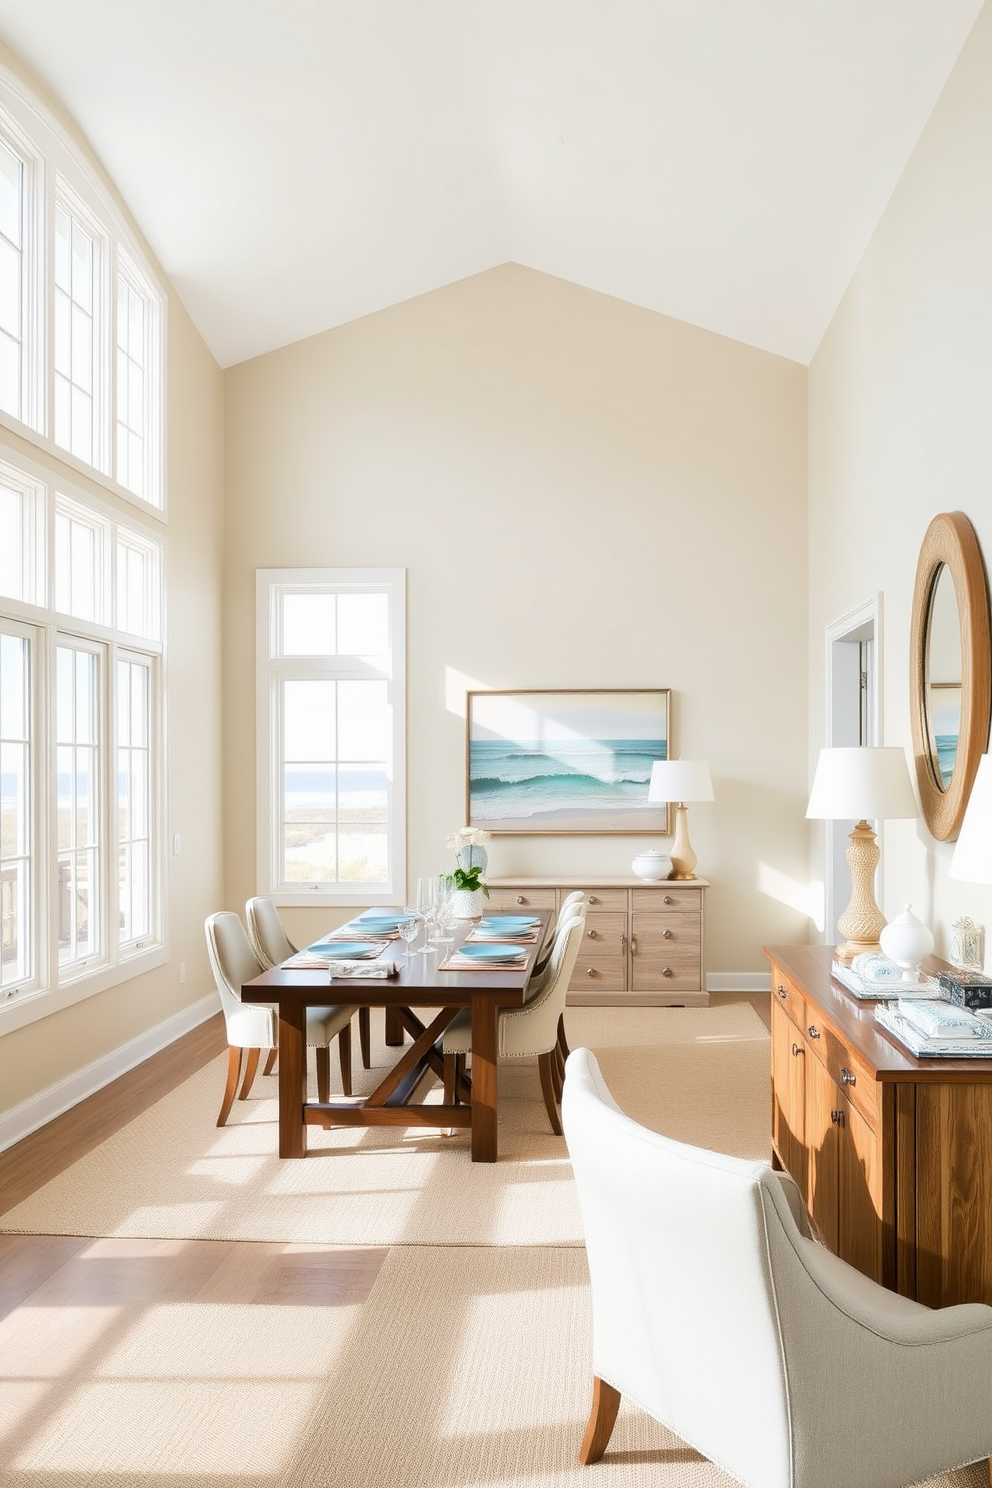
18, 919
134, 804
77, 334
139, 582
11, 281
22, 537
81, 553
78, 765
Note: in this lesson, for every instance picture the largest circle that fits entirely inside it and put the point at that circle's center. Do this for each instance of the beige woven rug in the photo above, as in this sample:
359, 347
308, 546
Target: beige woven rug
465, 1368
698, 1074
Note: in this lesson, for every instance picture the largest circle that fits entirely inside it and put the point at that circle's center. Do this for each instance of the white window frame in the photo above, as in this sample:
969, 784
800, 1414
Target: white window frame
56, 166
50, 990
271, 671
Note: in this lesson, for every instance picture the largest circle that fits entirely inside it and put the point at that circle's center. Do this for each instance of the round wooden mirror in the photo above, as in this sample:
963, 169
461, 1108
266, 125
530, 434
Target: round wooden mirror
950, 663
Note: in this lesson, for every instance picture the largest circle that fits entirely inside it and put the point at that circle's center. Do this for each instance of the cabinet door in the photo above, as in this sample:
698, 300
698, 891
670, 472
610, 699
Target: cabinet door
665, 951
860, 1181
788, 1096
602, 959
824, 1127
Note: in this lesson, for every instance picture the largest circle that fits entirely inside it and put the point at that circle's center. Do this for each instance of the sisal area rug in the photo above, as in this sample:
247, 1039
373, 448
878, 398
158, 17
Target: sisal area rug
697, 1074
465, 1368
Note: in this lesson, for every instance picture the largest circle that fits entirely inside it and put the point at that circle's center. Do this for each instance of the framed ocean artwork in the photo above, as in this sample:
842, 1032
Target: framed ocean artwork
556, 762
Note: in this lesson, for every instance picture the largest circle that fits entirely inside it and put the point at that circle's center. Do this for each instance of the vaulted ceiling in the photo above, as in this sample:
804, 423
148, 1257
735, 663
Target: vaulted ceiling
295, 164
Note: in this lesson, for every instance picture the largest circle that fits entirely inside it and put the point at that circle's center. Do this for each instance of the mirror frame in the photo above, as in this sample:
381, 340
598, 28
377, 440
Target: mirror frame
950, 540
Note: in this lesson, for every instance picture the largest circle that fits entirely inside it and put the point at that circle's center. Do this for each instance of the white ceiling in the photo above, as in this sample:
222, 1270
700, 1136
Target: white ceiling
297, 163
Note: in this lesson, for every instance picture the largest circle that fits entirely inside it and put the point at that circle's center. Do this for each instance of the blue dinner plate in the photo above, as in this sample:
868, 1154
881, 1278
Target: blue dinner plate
384, 926
477, 952
504, 922
346, 949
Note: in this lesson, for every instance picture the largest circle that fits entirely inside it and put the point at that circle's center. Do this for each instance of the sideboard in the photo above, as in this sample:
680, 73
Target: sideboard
643, 942
893, 1154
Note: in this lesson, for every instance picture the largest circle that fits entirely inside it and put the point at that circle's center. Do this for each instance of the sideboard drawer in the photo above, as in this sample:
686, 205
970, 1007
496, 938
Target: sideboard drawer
790, 998
667, 900
508, 900
598, 969
606, 899
854, 1077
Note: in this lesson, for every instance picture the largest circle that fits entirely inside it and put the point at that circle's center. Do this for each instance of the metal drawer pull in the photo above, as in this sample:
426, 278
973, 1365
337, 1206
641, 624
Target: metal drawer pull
796, 1049
593, 899
668, 899
837, 1117
521, 899
590, 971
667, 971
591, 934
847, 1077
813, 1031
623, 945
781, 991
633, 945
667, 934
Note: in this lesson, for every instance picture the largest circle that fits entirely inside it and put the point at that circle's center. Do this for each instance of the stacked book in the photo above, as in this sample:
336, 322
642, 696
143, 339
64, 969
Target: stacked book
937, 1028
871, 976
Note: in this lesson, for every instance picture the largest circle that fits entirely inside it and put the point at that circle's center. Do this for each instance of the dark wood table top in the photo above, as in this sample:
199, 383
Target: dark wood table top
809, 967
420, 981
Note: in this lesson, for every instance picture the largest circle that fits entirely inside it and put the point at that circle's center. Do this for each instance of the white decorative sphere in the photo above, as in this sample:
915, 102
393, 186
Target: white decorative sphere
651, 865
906, 940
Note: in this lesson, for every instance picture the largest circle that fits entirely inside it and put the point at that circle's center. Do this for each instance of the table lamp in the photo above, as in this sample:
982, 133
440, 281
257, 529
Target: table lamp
863, 783
972, 857
681, 781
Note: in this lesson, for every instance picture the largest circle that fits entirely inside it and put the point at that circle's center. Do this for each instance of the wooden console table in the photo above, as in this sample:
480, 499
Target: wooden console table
643, 942
892, 1153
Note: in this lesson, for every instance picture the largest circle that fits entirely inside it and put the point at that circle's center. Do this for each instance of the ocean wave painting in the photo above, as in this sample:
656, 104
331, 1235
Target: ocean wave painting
566, 762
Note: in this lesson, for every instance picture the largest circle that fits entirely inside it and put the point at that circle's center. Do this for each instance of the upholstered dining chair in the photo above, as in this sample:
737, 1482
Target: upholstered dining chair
525, 1031
252, 1028
272, 946
718, 1313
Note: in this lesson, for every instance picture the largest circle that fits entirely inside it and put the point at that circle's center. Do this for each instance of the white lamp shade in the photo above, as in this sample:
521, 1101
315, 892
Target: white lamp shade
680, 780
861, 783
972, 858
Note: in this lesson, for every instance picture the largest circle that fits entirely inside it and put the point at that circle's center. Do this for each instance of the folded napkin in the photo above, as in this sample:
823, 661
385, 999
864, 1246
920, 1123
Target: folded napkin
481, 937
371, 971
357, 931
943, 1020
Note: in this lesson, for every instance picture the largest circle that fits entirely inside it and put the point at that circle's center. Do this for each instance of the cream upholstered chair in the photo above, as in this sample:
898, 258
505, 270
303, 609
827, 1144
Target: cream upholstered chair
272, 946
253, 1026
524, 1031
718, 1314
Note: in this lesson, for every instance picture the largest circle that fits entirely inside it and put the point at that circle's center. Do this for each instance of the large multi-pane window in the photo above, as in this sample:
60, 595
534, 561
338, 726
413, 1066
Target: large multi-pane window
81, 321
331, 728
80, 719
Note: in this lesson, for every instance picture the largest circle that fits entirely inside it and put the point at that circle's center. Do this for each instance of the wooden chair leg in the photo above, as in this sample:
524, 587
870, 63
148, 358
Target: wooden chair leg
365, 1036
344, 1057
548, 1089
562, 1040
251, 1067
270, 1063
556, 1079
322, 1059
233, 1074
602, 1419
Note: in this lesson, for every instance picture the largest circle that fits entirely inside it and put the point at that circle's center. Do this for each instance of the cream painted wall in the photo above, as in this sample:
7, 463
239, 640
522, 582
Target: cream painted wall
900, 392
43, 1053
585, 494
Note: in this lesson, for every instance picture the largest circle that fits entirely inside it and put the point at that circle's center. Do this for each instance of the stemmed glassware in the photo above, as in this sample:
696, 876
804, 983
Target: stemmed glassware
409, 928
446, 924
427, 910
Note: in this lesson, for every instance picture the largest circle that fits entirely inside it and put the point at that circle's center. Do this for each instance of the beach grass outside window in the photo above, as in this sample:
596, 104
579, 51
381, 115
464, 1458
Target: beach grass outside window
82, 321
331, 650
81, 778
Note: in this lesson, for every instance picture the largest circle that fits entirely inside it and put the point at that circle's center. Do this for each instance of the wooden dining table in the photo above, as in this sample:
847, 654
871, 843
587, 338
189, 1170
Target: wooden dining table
421, 983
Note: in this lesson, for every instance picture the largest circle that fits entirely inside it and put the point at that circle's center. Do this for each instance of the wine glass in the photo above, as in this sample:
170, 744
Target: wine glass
427, 910
446, 924
409, 928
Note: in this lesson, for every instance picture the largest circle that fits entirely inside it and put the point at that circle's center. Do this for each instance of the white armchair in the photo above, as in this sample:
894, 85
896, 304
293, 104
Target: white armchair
254, 1027
717, 1313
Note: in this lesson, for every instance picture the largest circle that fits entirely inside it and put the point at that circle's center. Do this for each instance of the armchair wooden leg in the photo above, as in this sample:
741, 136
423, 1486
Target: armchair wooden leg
233, 1075
556, 1075
322, 1059
344, 1057
365, 1036
548, 1089
270, 1063
602, 1419
562, 1040
251, 1067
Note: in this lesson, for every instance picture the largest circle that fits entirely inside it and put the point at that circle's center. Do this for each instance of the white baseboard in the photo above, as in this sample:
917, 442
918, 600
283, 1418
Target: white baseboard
738, 981
39, 1109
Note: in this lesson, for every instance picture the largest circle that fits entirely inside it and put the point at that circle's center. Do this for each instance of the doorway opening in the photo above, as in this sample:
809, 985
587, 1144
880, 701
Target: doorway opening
853, 704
